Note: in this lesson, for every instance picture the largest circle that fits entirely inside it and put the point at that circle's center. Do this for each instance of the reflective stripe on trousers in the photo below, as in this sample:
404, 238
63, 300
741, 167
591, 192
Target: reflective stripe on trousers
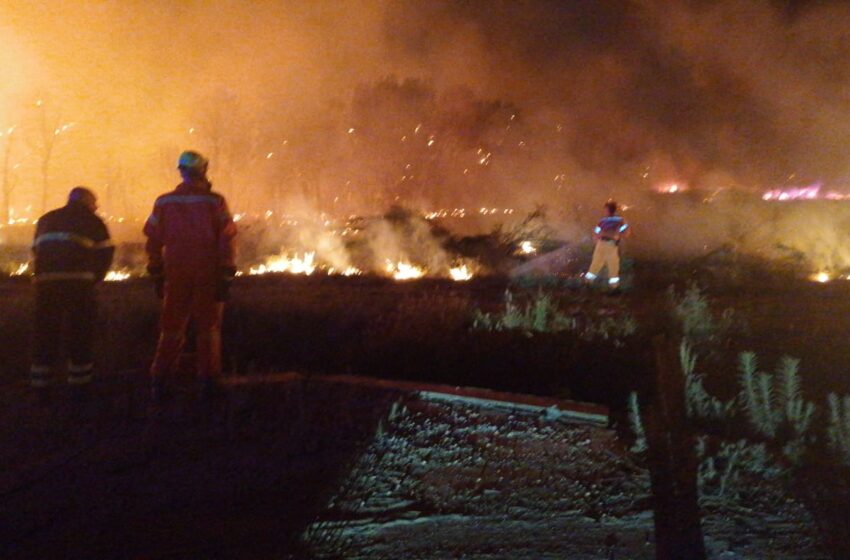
80, 374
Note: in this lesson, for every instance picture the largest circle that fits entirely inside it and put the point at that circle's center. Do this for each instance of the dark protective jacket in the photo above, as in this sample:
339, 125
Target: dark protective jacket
611, 225
71, 243
190, 233
611, 228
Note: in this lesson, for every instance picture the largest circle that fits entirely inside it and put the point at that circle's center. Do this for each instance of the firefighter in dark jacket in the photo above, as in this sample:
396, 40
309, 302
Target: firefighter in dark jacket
73, 252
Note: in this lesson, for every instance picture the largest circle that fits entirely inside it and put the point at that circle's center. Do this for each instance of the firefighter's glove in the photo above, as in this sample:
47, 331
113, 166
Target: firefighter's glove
226, 274
157, 276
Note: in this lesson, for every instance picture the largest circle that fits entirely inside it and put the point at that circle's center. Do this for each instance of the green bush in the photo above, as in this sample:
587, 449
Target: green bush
724, 473
839, 426
692, 312
773, 402
637, 425
699, 403
541, 314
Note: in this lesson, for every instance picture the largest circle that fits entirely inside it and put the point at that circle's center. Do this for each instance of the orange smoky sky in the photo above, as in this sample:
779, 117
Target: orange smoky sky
319, 101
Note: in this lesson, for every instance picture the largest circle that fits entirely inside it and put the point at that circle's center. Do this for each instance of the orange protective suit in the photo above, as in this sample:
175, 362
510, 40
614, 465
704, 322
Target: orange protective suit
191, 240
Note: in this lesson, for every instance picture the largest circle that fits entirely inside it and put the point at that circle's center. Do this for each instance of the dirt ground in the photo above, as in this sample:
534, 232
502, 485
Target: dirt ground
108, 478
280, 468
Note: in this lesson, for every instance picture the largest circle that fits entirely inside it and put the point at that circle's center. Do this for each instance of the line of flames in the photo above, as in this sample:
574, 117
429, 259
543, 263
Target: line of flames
306, 264
303, 265
823, 277
23, 269
401, 270
810, 192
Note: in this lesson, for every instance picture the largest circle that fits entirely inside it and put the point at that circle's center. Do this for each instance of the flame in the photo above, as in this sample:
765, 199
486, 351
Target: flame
460, 273
811, 192
404, 271
350, 271
824, 276
671, 188
21, 270
116, 275
527, 248
283, 263
462, 212
832, 195
821, 277
19, 221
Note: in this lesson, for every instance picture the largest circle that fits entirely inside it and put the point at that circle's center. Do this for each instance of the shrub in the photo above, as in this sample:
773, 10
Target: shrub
723, 474
772, 402
639, 445
542, 315
699, 403
693, 313
757, 396
839, 426
797, 412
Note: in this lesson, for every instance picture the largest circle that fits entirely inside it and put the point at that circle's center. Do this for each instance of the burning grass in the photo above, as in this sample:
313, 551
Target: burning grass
401, 245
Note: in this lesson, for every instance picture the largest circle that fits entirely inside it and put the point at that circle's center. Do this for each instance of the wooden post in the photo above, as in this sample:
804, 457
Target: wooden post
672, 461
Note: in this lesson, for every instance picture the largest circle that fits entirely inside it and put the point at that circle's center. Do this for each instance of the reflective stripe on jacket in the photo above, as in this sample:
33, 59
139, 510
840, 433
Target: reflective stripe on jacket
611, 226
190, 231
71, 243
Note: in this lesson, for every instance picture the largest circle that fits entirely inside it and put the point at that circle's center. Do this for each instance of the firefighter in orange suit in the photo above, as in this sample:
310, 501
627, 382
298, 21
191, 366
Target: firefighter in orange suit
190, 246
73, 252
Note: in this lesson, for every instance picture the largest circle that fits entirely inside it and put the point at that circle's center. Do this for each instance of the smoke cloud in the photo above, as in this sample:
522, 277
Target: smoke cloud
350, 107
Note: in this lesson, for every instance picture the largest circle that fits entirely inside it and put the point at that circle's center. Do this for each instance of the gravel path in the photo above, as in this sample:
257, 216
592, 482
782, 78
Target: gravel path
451, 481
